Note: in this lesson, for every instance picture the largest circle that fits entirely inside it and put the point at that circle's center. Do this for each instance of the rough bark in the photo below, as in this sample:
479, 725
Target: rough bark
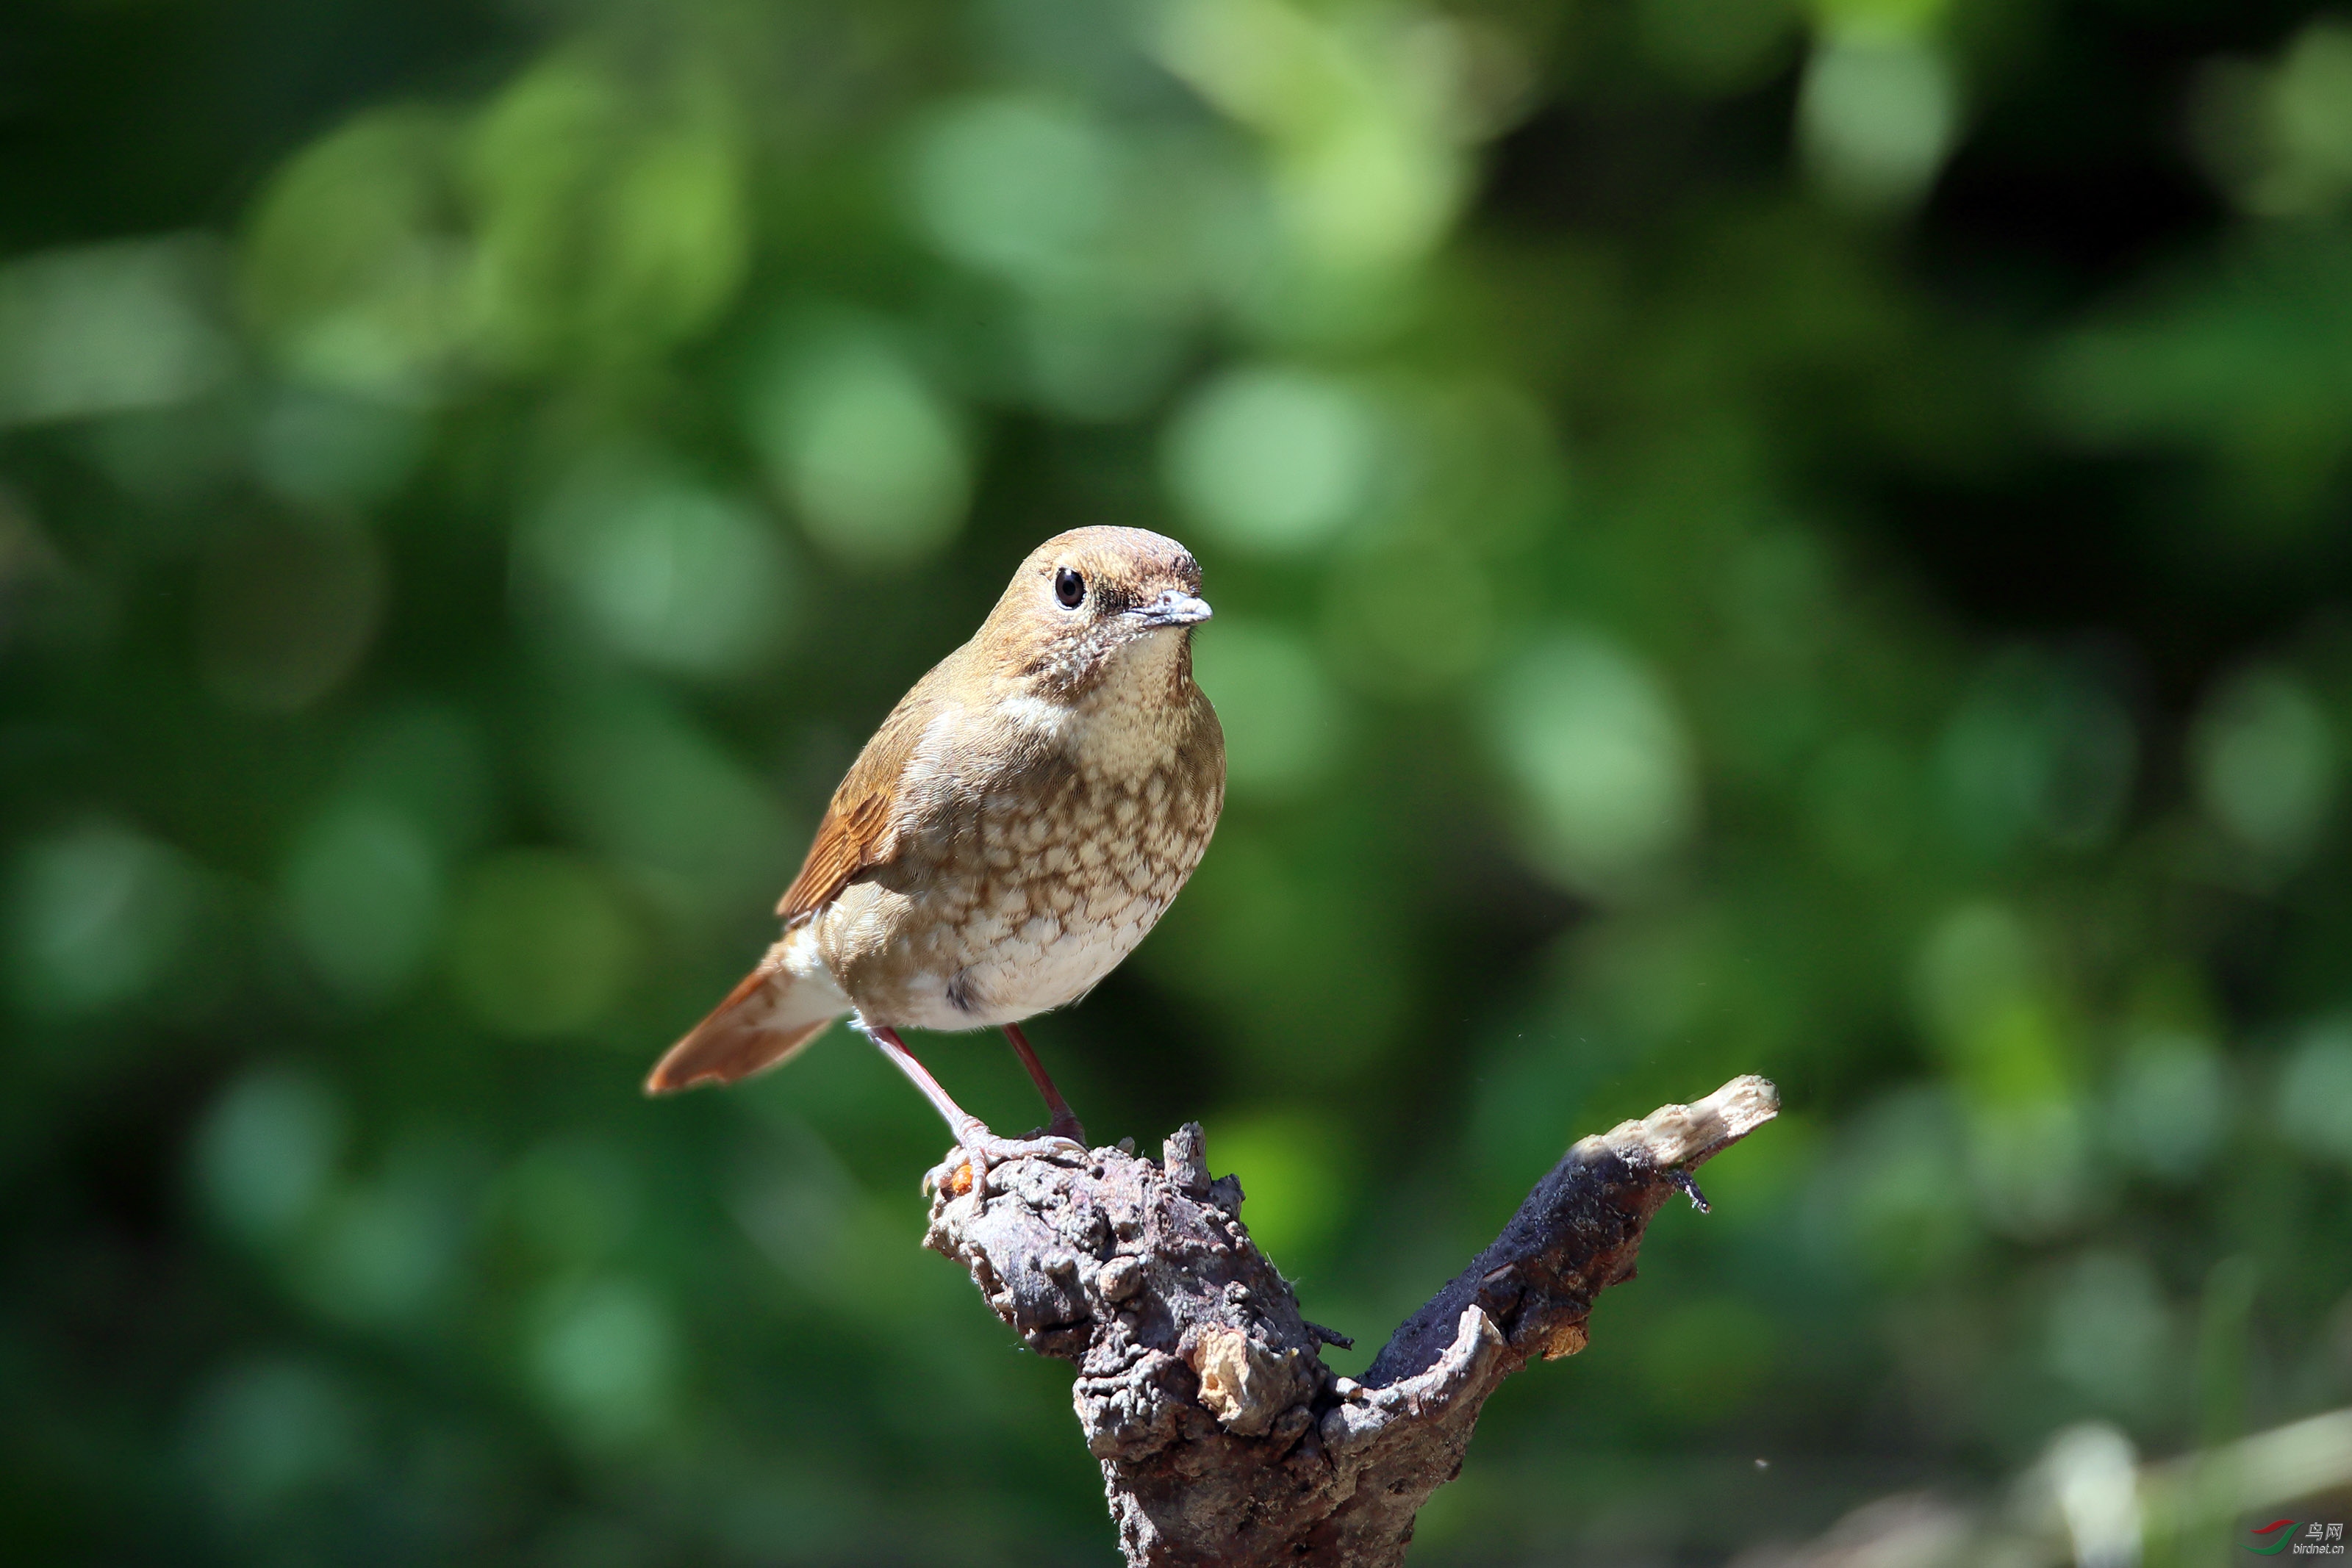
1224, 1437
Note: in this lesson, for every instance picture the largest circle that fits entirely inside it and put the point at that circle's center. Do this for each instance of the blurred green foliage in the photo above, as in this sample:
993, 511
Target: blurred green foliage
1747, 537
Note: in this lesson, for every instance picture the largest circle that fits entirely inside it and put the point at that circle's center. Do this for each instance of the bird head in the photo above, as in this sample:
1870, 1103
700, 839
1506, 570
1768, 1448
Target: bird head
1093, 602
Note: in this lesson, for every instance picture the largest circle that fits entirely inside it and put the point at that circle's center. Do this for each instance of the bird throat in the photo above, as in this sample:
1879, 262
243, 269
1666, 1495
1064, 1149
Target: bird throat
1131, 722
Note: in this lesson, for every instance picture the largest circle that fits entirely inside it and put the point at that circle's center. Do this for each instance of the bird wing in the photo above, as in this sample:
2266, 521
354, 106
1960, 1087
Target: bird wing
860, 827
852, 837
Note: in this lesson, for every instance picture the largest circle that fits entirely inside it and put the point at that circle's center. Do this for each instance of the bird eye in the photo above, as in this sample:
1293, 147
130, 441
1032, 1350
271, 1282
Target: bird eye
1069, 588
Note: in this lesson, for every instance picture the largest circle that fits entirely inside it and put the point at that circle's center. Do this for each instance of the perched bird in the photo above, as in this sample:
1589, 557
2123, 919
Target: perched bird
1019, 821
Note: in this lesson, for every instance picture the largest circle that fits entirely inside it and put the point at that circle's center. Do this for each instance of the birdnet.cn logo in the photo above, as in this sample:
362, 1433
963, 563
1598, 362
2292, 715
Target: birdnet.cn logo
2296, 1538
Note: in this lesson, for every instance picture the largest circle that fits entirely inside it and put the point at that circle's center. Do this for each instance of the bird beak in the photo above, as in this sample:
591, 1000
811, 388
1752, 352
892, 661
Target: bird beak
1172, 609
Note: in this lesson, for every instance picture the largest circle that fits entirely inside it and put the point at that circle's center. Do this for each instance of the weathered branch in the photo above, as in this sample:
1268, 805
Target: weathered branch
1223, 1439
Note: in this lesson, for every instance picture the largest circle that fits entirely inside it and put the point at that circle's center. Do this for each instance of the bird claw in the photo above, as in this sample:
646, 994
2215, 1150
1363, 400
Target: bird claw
1057, 1147
965, 1169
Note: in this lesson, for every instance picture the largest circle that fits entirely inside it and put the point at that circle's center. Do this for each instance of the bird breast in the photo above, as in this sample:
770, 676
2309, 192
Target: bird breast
1018, 887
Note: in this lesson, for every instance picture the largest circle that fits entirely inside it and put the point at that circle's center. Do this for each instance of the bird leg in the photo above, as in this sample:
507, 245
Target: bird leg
1063, 1121
980, 1145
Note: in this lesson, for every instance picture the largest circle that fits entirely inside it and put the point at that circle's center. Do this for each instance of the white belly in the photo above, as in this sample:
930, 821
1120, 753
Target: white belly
1004, 963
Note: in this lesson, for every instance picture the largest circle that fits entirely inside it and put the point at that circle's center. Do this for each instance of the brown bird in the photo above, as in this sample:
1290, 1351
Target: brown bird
1019, 821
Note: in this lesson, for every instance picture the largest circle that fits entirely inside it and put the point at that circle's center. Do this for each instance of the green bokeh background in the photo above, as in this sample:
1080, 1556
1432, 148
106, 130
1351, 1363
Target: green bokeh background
1744, 538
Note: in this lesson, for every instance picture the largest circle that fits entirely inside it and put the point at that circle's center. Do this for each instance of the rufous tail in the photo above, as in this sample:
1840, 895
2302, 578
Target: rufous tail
750, 1032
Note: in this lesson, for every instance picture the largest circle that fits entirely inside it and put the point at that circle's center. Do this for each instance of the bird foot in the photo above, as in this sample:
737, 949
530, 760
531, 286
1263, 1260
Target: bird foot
978, 1151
